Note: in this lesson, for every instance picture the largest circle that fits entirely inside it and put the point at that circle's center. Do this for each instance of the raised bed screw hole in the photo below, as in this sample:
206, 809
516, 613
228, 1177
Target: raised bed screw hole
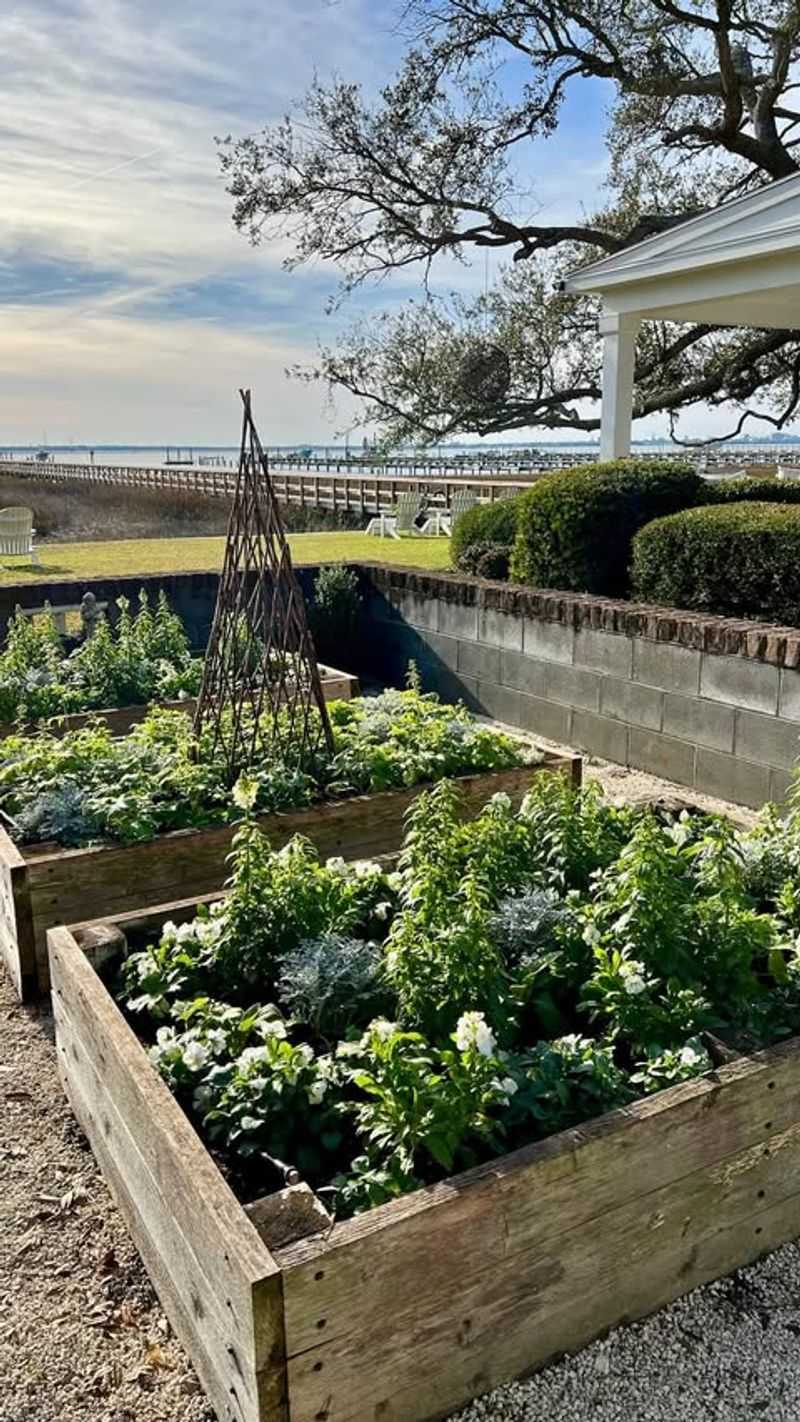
317, 1367
758, 1229
320, 1274
760, 1195
767, 1125
770, 1086
321, 1322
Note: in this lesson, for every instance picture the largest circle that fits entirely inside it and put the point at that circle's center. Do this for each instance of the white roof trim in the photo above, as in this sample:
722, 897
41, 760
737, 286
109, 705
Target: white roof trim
768, 222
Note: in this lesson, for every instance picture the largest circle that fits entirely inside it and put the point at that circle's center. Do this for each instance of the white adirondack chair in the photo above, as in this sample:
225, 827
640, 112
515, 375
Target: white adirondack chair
398, 520
16, 534
442, 520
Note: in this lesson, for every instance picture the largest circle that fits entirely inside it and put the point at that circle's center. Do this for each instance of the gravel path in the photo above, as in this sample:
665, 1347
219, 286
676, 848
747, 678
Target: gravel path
82, 1337
726, 1353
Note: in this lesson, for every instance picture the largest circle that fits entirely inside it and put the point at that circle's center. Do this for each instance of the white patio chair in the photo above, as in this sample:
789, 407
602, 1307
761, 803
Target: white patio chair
398, 520
16, 534
442, 520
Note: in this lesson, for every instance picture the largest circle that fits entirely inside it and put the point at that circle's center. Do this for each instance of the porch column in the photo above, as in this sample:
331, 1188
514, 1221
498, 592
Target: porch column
619, 349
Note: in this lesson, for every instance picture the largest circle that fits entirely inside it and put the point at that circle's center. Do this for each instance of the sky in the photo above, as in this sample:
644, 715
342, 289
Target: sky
133, 310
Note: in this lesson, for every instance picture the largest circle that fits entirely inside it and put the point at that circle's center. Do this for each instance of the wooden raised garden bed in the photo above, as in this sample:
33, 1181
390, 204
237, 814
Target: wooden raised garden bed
44, 885
336, 686
407, 1312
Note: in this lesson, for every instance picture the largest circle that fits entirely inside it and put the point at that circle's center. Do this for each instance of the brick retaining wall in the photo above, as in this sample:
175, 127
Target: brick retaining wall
712, 703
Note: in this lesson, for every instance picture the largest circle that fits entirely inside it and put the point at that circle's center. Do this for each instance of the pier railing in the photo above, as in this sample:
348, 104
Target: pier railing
363, 493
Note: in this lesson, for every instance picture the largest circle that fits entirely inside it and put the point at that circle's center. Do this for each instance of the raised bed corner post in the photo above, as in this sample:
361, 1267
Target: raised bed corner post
260, 653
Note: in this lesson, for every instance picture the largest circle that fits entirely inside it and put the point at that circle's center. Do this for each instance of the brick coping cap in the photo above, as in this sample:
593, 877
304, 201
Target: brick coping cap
699, 631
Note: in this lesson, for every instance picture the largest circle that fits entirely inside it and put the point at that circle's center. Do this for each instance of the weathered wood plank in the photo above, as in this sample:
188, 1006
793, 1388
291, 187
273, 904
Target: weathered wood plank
215, 1277
535, 1257
17, 944
79, 885
526, 1338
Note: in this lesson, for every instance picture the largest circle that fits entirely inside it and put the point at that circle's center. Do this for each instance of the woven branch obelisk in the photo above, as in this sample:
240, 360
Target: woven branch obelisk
261, 689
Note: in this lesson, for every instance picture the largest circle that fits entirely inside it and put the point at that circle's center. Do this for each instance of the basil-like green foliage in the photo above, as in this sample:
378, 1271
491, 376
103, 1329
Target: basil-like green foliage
512, 976
141, 658
90, 785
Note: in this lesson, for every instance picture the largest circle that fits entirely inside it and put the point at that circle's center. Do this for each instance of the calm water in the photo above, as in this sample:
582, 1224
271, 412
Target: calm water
153, 456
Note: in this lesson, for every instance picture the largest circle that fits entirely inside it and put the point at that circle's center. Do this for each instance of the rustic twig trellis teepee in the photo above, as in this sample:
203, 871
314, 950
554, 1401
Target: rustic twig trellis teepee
261, 687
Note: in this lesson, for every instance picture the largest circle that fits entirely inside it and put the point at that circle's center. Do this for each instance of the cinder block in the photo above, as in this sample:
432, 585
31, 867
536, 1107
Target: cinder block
456, 620
499, 702
781, 784
545, 718
730, 778
478, 661
628, 701
419, 611
766, 740
600, 736
435, 647
500, 629
707, 723
662, 755
522, 673
608, 652
447, 684
789, 694
573, 686
740, 682
549, 641
661, 664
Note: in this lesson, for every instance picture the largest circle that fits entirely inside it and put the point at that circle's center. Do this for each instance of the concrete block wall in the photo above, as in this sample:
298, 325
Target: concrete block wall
708, 702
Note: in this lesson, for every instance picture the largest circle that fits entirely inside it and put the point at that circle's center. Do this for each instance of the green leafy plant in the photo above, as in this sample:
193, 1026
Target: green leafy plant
485, 530
533, 970
142, 658
672, 1067
335, 612
575, 528
159, 778
737, 560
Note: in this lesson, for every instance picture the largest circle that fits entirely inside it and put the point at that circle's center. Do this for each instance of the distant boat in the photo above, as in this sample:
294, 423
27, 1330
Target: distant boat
42, 455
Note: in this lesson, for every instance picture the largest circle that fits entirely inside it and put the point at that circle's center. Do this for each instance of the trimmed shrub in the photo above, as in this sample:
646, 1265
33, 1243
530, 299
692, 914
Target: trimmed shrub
762, 491
736, 560
486, 526
575, 529
487, 560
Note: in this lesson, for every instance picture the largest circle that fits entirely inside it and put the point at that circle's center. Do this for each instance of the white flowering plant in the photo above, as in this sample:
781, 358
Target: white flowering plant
419, 1105
276, 1105
662, 1069
636, 1006
515, 976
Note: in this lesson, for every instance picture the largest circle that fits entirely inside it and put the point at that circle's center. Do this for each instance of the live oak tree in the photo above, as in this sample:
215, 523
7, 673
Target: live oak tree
701, 96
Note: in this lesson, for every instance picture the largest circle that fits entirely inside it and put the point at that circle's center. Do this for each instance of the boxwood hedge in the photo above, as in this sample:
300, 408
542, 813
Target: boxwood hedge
733, 559
485, 535
575, 528
736, 491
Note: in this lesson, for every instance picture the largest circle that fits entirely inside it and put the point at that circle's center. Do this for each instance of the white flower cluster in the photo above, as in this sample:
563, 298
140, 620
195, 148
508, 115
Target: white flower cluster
505, 1088
634, 978
690, 1057
245, 792
473, 1031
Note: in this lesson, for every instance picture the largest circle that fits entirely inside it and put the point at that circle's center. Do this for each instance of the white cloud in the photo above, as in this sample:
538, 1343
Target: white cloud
113, 379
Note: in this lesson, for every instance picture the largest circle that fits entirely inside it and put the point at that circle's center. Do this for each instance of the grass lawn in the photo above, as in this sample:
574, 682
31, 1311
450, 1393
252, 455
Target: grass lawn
189, 555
